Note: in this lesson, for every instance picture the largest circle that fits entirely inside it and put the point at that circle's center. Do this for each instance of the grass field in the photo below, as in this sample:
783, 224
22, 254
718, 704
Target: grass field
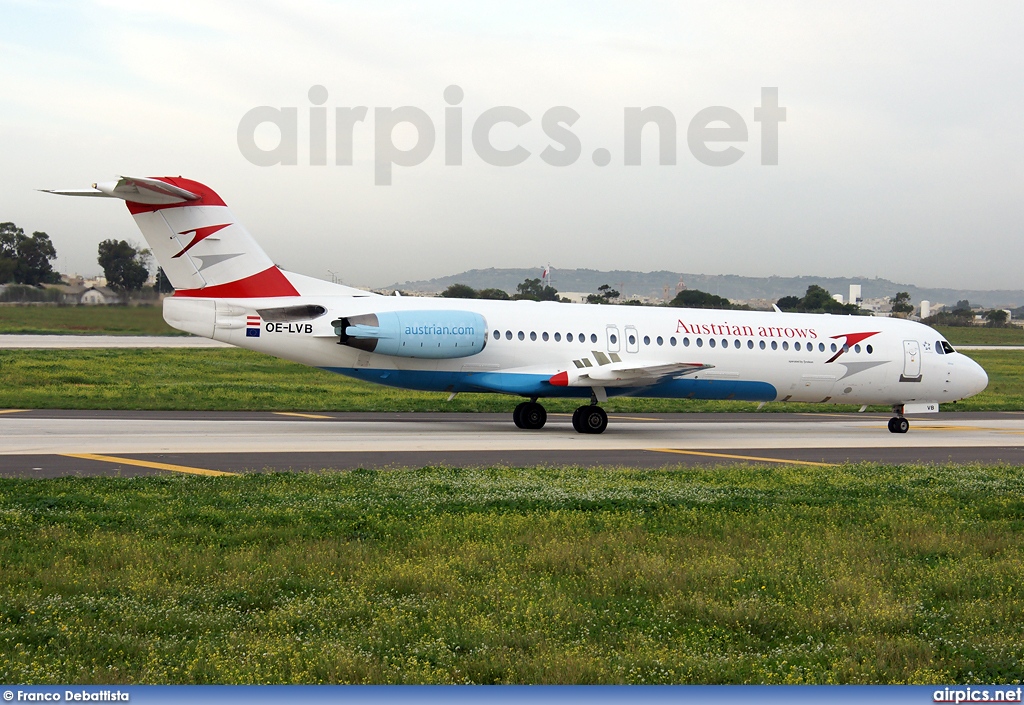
84, 320
857, 574
232, 379
978, 335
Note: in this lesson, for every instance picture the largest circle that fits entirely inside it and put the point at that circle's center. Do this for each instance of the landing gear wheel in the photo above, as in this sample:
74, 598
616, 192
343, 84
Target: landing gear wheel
898, 424
532, 416
590, 419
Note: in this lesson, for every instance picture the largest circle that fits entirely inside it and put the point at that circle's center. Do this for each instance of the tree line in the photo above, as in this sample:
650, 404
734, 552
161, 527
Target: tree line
27, 260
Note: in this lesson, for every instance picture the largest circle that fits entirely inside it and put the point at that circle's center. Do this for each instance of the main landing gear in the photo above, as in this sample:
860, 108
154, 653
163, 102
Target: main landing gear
531, 416
590, 419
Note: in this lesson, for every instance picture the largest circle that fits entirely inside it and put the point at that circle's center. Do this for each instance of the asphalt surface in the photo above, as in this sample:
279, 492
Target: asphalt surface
54, 443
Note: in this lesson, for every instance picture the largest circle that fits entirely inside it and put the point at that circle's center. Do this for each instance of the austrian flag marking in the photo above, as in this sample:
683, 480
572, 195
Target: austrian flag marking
252, 326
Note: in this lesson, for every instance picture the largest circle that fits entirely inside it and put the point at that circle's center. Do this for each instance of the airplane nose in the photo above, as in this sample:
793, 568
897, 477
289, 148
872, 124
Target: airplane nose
975, 377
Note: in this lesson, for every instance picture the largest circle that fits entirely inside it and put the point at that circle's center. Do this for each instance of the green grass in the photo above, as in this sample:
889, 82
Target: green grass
856, 574
235, 379
979, 335
84, 320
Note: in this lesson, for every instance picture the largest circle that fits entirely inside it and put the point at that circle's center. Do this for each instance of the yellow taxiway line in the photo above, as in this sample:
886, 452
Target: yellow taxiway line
303, 416
147, 464
11, 411
742, 457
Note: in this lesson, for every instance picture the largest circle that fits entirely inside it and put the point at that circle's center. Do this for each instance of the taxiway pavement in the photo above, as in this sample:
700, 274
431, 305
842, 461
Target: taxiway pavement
49, 443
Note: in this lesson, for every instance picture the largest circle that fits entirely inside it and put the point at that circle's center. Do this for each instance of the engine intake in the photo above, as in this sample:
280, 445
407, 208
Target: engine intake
424, 334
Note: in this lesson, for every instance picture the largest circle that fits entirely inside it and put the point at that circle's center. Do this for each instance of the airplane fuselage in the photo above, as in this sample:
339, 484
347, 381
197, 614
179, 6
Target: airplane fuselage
751, 356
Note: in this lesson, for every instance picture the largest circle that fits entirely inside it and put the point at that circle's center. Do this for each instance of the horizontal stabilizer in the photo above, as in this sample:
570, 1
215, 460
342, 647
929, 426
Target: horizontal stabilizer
134, 190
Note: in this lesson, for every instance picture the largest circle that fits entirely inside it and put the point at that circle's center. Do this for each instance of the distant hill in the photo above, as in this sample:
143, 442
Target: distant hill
730, 286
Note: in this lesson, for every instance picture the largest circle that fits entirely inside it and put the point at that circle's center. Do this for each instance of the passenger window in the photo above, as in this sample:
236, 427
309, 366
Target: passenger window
750, 344
821, 347
593, 337
508, 335
632, 339
736, 344
761, 345
568, 337
856, 348
870, 349
785, 345
796, 345
647, 340
533, 336
725, 343
613, 339
711, 342
497, 335
661, 341
522, 336
558, 337
833, 347
700, 342
545, 336
775, 346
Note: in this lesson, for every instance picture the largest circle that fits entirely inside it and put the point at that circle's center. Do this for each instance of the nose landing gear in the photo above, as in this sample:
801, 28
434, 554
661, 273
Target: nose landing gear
898, 423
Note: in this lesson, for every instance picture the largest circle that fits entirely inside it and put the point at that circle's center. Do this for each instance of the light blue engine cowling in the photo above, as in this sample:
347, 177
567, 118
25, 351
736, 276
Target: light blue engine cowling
429, 334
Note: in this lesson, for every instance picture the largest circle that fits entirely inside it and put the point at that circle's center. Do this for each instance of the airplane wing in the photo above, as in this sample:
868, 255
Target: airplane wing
624, 374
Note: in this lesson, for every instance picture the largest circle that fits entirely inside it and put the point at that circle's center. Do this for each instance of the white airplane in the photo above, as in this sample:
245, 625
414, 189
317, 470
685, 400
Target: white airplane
228, 289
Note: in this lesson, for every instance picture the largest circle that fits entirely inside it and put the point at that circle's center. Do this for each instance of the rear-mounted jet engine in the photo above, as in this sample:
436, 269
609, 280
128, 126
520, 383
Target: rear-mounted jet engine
426, 334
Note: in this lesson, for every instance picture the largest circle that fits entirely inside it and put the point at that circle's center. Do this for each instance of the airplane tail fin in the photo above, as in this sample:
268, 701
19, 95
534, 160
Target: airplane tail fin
203, 250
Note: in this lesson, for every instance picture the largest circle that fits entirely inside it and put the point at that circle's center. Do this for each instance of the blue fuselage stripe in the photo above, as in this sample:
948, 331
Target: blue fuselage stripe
537, 385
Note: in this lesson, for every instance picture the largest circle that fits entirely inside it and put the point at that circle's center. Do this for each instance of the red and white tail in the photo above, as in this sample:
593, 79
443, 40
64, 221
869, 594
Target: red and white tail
202, 248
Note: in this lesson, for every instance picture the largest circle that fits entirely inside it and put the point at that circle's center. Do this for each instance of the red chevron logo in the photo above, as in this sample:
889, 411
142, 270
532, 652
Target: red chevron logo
851, 339
200, 235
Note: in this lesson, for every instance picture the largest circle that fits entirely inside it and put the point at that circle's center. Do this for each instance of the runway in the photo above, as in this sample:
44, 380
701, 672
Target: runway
53, 443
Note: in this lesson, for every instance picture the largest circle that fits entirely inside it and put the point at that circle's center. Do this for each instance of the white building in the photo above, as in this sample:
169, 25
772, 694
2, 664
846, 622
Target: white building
855, 295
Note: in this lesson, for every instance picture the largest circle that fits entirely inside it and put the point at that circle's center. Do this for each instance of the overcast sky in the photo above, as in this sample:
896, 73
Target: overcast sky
900, 156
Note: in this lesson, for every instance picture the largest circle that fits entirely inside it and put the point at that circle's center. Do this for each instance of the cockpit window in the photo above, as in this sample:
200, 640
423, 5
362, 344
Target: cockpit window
946, 347
938, 347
